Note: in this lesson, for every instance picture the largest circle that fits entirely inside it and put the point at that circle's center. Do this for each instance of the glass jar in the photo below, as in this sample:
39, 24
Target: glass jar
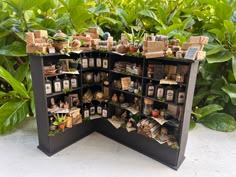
148, 106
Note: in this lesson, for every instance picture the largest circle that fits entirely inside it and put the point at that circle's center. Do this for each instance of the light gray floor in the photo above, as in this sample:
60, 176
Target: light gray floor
209, 154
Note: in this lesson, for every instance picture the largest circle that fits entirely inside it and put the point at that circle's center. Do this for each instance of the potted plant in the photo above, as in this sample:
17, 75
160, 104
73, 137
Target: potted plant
135, 39
60, 40
60, 121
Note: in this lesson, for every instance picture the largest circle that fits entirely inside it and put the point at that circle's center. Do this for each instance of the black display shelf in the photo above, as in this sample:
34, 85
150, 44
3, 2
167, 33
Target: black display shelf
160, 152
126, 92
158, 80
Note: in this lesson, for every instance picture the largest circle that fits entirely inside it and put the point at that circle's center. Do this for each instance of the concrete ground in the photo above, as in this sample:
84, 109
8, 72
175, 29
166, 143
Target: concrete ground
208, 154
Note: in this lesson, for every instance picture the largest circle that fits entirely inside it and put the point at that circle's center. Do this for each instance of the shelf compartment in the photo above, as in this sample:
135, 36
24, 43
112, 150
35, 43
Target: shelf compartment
62, 93
125, 108
126, 92
126, 74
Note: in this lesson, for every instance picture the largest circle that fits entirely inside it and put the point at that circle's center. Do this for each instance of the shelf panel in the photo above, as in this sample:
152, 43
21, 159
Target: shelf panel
62, 93
126, 74
164, 102
94, 68
126, 92
158, 80
92, 85
133, 111
171, 122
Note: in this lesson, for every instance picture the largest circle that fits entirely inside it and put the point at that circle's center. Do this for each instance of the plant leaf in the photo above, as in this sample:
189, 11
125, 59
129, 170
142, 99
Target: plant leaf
231, 91
206, 110
21, 71
219, 57
220, 122
223, 11
215, 49
148, 13
192, 124
16, 49
16, 85
234, 66
12, 113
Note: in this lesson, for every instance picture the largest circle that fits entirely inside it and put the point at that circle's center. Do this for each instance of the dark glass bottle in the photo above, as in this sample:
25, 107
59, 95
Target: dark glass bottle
180, 95
86, 113
74, 82
170, 92
57, 85
99, 61
48, 86
105, 62
160, 91
91, 61
84, 61
150, 88
92, 109
104, 111
66, 83
99, 109
106, 86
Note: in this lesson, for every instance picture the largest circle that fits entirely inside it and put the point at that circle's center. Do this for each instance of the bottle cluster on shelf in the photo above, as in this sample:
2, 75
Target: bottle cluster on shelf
128, 67
95, 109
91, 62
168, 93
60, 83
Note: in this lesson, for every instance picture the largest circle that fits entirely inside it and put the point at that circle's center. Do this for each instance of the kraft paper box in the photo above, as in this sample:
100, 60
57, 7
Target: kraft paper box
185, 46
159, 45
93, 30
30, 39
41, 34
201, 55
31, 49
154, 54
199, 39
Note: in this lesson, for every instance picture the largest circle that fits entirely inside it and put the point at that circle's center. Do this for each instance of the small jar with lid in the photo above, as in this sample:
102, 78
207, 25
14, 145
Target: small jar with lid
148, 106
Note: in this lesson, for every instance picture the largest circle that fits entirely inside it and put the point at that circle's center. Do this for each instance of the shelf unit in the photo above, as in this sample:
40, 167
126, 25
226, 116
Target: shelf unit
148, 146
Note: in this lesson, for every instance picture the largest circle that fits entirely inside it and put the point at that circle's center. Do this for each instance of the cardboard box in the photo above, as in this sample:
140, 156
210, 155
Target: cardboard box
201, 55
154, 54
41, 34
32, 49
199, 39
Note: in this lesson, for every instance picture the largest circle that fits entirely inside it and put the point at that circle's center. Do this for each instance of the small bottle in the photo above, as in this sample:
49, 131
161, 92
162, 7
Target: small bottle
98, 61
131, 87
180, 95
121, 98
84, 61
106, 87
92, 109
91, 61
169, 94
48, 86
99, 109
160, 92
74, 82
104, 111
105, 62
86, 112
150, 88
57, 85
136, 89
66, 83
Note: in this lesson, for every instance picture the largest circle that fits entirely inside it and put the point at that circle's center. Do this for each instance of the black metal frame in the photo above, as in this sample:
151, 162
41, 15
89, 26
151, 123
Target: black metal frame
51, 145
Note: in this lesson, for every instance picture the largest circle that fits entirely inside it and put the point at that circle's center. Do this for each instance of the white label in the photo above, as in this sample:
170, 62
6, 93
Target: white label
169, 95
66, 84
160, 92
150, 90
104, 113
99, 62
48, 88
105, 63
85, 63
91, 62
181, 97
73, 83
99, 110
86, 113
92, 110
57, 86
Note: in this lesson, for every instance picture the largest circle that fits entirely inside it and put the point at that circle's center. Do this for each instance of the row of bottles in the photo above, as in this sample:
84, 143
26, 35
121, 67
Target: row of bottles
93, 109
167, 93
58, 85
91, 62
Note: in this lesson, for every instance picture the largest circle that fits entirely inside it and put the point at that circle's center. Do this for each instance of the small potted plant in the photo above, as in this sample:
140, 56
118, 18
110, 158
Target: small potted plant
60, 121
60, 40
135, 40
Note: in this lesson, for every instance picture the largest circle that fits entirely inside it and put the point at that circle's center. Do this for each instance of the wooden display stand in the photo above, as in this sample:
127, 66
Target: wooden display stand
173, 157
